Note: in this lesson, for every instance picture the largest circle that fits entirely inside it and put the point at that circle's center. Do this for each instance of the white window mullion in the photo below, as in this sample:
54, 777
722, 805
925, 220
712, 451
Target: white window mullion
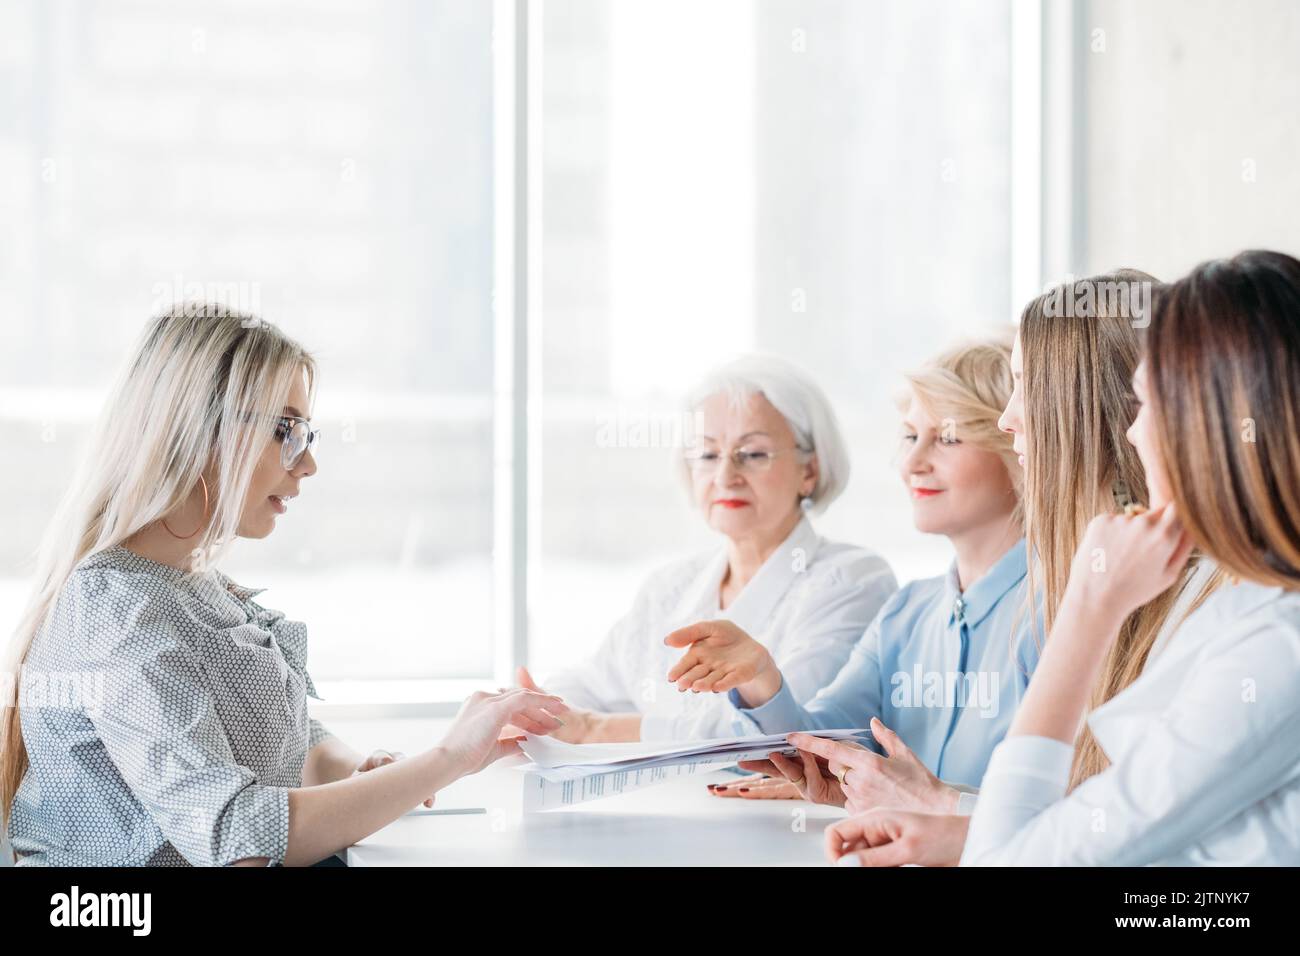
511, 346
1026, 152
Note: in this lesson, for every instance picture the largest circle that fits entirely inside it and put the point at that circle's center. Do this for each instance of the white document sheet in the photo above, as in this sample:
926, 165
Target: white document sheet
566, 774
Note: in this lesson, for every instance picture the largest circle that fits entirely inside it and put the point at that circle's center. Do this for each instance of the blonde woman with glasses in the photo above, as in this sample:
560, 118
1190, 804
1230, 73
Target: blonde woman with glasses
179, 733
767, 454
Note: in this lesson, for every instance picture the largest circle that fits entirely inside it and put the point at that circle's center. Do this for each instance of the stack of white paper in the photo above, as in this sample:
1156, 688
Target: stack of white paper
564, 774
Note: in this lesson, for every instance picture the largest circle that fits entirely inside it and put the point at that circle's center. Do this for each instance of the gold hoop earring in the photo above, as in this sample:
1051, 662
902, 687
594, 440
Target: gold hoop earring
185, 537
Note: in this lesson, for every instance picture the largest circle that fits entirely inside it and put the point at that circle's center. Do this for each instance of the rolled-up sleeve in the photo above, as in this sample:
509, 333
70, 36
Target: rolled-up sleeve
781, 714
1025, 776
967, 800
319, 732
158, 723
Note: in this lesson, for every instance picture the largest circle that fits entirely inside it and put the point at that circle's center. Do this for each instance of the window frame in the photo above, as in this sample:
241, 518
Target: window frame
1047, 236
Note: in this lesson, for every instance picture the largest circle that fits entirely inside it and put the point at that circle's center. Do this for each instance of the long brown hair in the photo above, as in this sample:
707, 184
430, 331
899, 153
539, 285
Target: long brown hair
1081, 348
1223, 363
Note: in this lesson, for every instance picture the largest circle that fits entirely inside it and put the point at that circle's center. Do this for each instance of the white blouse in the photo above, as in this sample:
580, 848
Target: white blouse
808, 604
1204, 749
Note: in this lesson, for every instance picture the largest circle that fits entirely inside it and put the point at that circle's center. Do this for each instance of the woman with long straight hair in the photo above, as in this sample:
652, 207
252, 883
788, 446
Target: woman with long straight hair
1077, 408
1072, 366
1204, 760
155, 714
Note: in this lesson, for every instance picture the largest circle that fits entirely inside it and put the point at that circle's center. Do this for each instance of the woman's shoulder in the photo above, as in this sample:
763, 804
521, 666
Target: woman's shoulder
1241, 645
675, 573
1211, 596
116, 573
914, 596
1238, 625
845, 555
114, 599
851, 565
1236, 609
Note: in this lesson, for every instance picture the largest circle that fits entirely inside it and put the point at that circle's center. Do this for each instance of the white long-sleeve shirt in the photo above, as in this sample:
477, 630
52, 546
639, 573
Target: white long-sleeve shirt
1204, 749
808, 604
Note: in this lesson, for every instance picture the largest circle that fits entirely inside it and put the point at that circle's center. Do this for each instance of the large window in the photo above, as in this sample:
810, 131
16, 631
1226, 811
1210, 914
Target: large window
827, 180
328, 165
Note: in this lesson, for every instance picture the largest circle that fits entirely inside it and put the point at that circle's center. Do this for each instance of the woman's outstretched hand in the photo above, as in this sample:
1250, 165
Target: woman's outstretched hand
578, 723
721, 656
474, 739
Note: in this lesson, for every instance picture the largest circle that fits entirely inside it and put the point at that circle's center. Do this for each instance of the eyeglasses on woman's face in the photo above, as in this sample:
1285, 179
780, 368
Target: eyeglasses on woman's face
746, 460
296, 438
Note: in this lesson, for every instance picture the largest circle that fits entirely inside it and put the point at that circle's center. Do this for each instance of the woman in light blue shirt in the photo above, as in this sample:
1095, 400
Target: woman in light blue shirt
947, 659
1202, 754
938, 667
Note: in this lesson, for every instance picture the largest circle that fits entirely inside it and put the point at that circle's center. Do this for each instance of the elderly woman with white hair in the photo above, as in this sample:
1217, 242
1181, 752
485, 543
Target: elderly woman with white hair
768, 452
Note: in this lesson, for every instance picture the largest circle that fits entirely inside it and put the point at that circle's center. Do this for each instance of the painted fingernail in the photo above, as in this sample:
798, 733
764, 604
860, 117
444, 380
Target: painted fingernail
743, 790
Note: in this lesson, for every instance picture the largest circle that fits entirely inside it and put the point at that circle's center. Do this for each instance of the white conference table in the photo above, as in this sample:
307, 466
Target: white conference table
677, 823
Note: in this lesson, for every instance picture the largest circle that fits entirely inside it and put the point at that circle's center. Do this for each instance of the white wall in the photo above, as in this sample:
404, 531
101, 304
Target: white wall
1192, 139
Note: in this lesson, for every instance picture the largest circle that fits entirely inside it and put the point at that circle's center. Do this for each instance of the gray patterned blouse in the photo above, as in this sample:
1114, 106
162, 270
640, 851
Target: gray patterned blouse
165, 718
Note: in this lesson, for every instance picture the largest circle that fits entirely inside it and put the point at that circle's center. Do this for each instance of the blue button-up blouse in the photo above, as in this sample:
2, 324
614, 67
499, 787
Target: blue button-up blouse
944, 669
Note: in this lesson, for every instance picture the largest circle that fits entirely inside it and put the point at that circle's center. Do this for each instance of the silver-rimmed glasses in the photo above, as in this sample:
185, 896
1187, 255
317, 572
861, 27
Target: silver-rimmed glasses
749, 461
296, 438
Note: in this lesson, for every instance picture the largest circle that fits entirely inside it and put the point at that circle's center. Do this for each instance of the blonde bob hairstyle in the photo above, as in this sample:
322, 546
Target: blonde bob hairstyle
965, 389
